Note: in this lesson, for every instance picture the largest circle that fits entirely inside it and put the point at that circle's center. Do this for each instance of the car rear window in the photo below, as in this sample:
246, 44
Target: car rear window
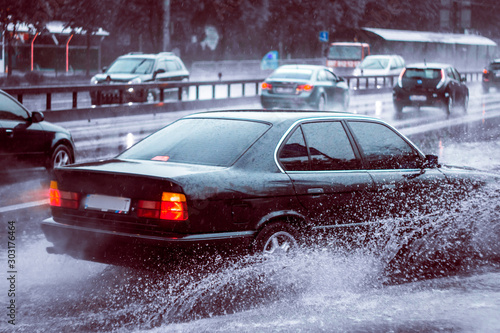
300, 74
218, 142
423, 73
374, 63
132, 66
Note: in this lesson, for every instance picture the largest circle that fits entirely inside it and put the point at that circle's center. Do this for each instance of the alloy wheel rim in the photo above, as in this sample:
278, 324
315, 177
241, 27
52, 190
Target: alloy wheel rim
280, 242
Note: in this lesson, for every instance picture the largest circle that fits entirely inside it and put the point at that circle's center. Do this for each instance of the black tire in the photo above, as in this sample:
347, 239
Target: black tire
321, 106
465, 104
448, 107
62, 155
398, 108
276, 238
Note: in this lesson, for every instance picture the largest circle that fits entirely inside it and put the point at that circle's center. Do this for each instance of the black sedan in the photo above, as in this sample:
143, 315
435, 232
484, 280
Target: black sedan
304, 87
27, 140
250, 181
430, 84
491, 76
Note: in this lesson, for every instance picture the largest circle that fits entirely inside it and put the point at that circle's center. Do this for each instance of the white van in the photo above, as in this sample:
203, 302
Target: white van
380, 65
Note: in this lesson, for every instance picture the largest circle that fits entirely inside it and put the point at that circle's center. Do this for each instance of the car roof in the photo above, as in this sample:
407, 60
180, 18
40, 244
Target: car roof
277, 116
424, 65
299, 66
148, 55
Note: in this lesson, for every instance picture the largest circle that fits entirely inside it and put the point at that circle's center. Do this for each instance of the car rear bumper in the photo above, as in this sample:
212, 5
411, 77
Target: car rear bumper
112, 247
287, 102
420, 98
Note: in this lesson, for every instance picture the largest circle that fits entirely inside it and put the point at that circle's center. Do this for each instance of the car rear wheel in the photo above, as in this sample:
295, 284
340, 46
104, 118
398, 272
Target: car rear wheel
276, 238
60, 157
321, 103
449, 105
465, 104
398, 107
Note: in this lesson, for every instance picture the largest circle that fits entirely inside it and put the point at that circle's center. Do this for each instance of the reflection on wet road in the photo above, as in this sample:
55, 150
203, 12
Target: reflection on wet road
446, 279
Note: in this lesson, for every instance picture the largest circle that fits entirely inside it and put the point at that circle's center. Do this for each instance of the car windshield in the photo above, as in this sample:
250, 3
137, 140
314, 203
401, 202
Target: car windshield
218, 142
374, 63
423, 73
344, 52
300, 74
131, 66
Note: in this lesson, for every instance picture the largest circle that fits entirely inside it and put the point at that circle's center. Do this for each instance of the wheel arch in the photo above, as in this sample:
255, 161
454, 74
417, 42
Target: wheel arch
292, 218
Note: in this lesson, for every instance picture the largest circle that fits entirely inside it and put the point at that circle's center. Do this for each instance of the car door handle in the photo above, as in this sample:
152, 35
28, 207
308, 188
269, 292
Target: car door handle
315, 191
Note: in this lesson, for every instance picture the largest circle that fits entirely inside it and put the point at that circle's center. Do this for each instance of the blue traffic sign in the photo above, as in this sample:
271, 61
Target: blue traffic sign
323, 36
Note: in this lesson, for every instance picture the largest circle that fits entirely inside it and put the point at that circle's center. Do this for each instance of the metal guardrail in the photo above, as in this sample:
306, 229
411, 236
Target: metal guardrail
358, 84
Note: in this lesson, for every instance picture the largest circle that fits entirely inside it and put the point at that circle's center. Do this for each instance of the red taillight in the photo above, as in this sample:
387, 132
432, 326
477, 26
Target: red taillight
441, 82
485, 71
266, 86
172, 206
304, 87
58, 198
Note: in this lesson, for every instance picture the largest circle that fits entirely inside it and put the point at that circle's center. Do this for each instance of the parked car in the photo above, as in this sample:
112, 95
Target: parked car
374, 65
136, 68
304, 87
246, 181
27, 140
491, 76
435, 85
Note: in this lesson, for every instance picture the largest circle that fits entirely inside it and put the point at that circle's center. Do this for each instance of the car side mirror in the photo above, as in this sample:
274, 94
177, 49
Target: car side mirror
159, 71
431, 162
104, 69
37, 117
463, 79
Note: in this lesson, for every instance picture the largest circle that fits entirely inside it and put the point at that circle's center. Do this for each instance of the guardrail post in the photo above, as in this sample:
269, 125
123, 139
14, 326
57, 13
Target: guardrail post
228, 91
197, 92
213, 91
48, 105
75, 100
243, 89
179, 94
120, 96
20, 98
162, 95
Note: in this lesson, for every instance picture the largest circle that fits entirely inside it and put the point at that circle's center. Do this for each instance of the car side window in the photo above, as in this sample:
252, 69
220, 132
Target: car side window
329, 146
162, 65
10, 110
450, 74
293, 155
321, 76
330, 76
383, 148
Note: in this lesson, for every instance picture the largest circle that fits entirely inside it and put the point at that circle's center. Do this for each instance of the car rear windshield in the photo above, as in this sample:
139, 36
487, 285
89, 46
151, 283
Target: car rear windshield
374, 63
218, 142
423, 73
495, 65
131, 66
299, 74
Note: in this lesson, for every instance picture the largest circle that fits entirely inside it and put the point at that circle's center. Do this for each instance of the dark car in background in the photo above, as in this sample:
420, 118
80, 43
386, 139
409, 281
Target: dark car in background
27, 140
432, 85
136, 68
250, 181
491, 76
304, 87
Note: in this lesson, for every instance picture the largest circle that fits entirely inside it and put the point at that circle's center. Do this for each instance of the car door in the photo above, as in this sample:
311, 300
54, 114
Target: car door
326, 173
20, 138
402, 183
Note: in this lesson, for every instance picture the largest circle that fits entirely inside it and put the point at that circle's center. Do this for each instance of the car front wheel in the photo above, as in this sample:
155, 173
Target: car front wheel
60, 157
449, 105
276, 238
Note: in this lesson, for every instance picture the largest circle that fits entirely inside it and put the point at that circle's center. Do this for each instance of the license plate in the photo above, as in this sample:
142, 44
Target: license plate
105, 203
281, 90
418, 98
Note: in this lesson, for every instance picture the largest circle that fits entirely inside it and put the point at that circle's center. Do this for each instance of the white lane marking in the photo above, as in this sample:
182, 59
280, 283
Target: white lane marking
24, 205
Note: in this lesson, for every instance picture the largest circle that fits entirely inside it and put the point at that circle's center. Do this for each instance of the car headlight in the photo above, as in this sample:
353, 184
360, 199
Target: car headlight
93, 80
135, 81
